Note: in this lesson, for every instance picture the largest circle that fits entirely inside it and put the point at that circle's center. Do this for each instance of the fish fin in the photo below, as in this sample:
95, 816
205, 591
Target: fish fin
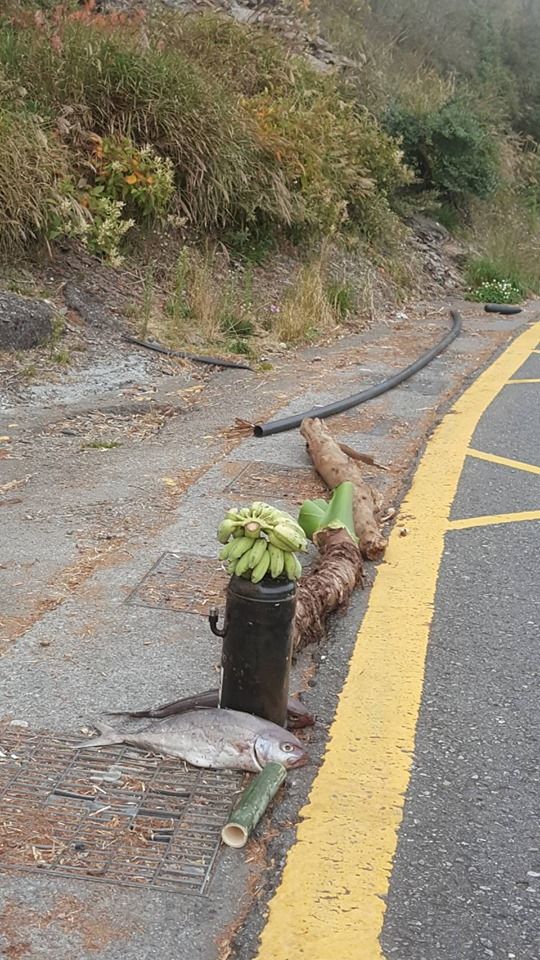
200, 701
108, 736
135, 714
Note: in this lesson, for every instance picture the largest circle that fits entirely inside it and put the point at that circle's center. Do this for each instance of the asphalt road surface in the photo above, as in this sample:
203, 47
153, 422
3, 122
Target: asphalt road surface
421, 837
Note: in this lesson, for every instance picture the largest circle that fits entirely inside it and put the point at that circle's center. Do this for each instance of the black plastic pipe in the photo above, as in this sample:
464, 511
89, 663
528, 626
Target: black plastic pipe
202, 358
504, 308
339, 406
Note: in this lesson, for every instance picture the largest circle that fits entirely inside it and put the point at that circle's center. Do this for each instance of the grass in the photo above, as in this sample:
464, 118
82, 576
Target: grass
260, 144
101, 445
61, 357
507, 236
147, 306
341, 297
306, 311
32, 164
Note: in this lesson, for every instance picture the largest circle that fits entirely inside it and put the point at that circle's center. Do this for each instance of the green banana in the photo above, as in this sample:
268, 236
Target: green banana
261, 569
226, 529
278, 542
257, 552
231, 567
293, 567
225, 551
240, 547
242, 565
288, 535
277, 561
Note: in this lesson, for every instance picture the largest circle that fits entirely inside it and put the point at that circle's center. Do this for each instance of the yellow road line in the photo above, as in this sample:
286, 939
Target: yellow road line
329, 905
491, 520
529, 380
503, 461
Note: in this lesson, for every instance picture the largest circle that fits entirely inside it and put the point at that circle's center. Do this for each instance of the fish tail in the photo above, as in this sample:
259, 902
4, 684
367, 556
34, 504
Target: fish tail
132, 714
108, 736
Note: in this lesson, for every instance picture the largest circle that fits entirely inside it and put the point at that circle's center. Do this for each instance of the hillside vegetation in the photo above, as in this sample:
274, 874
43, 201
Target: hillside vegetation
115, 123
458, 83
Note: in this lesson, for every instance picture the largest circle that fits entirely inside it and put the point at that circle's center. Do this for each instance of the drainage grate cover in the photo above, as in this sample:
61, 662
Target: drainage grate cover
110, 815
183, 582
277, 481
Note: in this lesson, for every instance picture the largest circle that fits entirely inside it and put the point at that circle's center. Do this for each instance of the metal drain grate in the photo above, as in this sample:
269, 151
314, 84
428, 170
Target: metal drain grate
183, 582
278, 482
112, 815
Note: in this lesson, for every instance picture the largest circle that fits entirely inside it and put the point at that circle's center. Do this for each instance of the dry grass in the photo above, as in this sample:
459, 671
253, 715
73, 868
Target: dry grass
506, 234
32, 163
197, 300
306, 310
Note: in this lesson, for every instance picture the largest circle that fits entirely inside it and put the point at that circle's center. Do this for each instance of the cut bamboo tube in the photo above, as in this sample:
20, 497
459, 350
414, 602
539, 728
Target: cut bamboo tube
252, 805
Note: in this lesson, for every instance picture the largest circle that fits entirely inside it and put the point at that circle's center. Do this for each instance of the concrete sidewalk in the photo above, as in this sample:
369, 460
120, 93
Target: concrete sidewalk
86, 632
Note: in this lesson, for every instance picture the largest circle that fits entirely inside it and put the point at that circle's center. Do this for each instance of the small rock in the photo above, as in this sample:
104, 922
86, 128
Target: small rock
19, 723
24, 323
44, 643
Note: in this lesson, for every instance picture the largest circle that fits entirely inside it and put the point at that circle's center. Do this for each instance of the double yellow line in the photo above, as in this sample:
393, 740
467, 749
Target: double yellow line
330, 903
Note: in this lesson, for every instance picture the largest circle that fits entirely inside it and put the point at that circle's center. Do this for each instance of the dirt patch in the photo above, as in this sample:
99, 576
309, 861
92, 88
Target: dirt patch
95, 927
68, 580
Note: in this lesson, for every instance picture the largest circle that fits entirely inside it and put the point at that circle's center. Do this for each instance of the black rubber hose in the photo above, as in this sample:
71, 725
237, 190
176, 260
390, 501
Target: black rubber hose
339, 406
505, 308
213, 361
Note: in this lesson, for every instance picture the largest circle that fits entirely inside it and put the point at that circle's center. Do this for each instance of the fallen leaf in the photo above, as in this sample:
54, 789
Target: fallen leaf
12, 484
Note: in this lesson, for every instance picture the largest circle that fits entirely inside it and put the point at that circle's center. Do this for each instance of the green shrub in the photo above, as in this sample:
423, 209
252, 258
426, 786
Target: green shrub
116, 84
209, 121
138, 177
490, 282
450, 149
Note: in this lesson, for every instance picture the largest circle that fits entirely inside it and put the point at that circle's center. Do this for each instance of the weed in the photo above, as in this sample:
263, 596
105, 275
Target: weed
32, 165
100, 445
58, 326
489, 283
507, 233
306, 309
62, 357
251, 244
147, 302
107, 228
195, 296
341, 298
495, 291
239, 345
177, 306
29, 371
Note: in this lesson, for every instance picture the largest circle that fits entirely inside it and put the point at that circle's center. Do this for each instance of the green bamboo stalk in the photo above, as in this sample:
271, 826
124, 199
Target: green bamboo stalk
252, 805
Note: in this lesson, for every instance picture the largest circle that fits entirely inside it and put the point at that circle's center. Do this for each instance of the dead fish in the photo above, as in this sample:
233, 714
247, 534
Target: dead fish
216, 739
297, 714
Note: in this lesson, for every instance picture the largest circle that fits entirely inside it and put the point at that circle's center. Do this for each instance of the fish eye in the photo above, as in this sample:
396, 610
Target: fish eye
287, 747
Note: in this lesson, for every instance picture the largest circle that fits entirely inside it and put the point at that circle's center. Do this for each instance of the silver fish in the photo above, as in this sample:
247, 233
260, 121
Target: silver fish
216, 739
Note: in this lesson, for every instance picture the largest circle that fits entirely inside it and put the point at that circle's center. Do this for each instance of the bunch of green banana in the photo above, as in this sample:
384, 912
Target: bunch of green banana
261, 541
